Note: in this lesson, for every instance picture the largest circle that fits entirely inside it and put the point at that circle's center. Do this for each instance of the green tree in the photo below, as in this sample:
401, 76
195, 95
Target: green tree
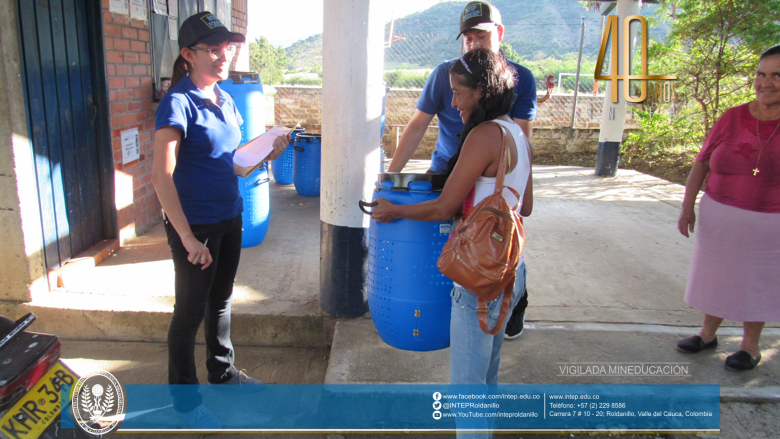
510, 53
267, 60
713, 49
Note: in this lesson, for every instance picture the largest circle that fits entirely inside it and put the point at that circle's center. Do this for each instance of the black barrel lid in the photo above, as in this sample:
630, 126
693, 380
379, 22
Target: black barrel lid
401, 180
308, 137
241, 77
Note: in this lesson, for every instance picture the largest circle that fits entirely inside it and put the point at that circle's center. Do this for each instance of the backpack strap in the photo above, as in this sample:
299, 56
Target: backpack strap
502, 162
503, 165
482, 311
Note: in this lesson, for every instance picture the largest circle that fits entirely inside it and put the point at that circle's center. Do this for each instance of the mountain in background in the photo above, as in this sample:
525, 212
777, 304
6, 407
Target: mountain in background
536, 29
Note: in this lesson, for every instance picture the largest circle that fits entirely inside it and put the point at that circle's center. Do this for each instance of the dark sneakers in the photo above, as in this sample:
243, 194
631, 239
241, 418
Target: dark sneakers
244, 382
692, 345
741, 361
514, 327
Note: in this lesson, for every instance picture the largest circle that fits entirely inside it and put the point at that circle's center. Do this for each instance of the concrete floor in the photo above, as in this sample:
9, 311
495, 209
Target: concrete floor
606, 279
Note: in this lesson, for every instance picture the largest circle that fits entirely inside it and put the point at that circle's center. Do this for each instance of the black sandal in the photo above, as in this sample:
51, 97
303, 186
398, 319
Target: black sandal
692, 345
741, 361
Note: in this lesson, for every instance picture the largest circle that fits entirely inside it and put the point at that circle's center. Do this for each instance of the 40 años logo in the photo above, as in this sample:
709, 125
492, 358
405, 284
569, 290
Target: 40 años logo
658, 92
98, 403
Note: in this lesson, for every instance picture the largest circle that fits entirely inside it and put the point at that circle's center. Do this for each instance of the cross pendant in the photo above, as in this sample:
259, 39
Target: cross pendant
755, 171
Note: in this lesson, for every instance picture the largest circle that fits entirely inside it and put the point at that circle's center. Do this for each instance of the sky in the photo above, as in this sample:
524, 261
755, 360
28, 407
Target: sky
303, 18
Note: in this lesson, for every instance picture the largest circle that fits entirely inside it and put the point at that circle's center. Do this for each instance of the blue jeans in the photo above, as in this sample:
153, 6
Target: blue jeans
474, 354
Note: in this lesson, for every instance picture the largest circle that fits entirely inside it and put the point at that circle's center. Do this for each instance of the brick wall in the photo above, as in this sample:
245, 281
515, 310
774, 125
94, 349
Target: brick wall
240, 17
299, 105
129, 77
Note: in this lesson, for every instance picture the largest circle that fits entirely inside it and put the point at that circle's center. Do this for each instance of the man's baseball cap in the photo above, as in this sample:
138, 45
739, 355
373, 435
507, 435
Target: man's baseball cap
206, 28
479, 15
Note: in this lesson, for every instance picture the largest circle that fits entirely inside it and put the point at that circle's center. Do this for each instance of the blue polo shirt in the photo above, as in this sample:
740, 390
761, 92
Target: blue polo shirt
204, 175
436, 98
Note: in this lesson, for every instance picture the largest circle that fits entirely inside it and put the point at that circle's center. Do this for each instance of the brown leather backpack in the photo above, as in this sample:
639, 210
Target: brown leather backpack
484, 249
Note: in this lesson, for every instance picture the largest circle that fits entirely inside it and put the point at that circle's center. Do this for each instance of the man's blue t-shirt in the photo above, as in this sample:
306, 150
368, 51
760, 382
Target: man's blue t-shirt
204, 175
436, 98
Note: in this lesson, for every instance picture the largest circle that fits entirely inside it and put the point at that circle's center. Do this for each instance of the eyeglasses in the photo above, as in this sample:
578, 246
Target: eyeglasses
216, 52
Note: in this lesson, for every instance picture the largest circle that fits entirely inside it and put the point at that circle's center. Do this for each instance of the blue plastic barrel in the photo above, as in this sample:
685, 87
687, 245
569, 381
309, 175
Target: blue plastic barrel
257, 206
408, 297
306, 164
282, 167
246, 89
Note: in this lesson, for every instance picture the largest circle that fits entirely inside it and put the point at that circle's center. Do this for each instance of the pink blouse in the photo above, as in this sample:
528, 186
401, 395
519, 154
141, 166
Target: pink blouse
732, 149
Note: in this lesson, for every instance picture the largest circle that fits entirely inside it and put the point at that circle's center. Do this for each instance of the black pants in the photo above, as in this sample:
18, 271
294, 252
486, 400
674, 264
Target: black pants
203, 295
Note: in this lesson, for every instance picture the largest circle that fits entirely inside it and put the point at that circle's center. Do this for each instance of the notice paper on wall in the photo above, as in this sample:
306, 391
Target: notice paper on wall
138, 10
119, 6
161, 7
249, 155
173, 27
173, 8
131, 148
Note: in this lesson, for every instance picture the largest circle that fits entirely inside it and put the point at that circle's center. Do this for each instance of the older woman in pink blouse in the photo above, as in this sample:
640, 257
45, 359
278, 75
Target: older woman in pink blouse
735, 269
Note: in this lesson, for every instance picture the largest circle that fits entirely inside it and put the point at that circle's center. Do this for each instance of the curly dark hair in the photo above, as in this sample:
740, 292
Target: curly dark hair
492, 74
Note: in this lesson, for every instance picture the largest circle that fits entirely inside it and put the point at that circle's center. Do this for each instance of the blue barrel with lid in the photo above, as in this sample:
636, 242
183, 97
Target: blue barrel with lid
408, 297
306, 164
246, 89
282, 167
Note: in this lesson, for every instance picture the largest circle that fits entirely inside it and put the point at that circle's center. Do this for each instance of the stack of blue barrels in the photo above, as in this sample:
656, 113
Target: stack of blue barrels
247, 92
408, 297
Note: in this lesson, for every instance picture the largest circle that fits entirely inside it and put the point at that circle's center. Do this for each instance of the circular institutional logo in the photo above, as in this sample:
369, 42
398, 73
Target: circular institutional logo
98, 403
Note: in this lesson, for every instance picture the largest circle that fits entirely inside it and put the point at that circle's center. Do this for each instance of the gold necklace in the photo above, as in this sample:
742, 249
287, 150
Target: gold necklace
760, 146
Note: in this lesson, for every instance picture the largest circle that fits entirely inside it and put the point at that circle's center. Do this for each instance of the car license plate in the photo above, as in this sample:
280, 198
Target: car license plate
30, 416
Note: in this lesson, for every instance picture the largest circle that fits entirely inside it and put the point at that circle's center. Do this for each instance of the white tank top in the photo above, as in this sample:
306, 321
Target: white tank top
517, 179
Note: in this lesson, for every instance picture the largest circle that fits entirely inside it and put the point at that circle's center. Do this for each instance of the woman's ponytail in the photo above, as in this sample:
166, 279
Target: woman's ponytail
181, 67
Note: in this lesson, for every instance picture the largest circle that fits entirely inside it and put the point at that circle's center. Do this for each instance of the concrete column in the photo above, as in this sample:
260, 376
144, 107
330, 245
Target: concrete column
352, 89
614, 115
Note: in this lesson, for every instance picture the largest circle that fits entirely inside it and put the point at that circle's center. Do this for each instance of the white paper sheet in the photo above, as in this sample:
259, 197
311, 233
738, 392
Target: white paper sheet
173, 8
131, 149
138, 10
173, 27
257, 149
161, 7
119, 6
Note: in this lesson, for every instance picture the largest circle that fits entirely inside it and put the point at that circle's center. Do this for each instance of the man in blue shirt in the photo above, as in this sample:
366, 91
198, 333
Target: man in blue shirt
480, 26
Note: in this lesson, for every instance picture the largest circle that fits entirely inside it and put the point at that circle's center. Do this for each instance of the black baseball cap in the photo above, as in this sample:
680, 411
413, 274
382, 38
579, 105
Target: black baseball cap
479, 15
206, 28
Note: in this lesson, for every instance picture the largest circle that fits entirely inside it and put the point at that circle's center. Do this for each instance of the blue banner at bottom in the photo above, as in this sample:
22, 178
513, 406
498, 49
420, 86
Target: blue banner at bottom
651, 408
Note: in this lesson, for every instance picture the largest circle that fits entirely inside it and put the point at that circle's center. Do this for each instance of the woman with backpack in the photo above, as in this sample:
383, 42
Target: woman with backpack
483, 93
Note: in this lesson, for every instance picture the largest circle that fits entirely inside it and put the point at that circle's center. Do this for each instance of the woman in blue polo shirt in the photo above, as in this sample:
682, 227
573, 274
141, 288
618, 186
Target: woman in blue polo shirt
197, 132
